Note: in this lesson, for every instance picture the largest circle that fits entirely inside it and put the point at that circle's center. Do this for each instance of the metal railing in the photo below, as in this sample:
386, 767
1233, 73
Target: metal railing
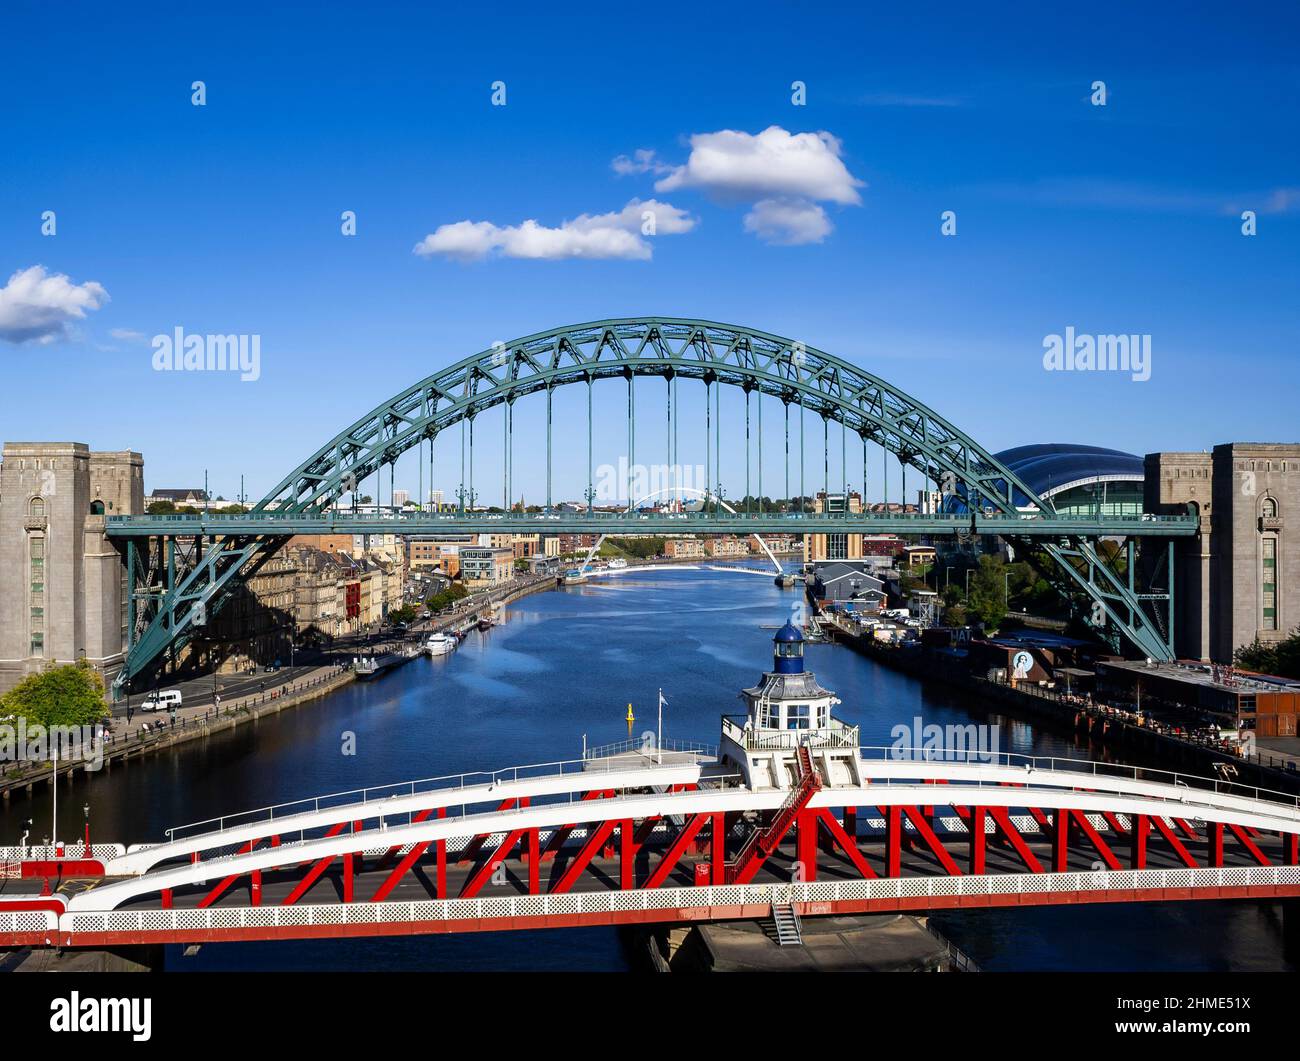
649, 746
370, 797
900, 892
1031, 764
838, 735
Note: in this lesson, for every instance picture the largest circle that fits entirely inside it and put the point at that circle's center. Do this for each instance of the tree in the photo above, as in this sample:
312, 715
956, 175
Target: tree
1272, 657
987, 600
71, 695
405, 614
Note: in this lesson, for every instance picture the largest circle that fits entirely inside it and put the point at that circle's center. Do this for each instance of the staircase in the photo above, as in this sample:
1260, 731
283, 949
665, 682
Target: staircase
785, 925
762, 842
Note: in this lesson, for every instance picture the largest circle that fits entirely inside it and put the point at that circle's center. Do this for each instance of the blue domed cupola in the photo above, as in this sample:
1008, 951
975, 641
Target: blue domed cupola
787, 649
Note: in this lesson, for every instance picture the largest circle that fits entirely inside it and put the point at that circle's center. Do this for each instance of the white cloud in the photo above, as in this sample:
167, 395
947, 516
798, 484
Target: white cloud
788, 222
619, 234
37, 307
643, 160
127, 335
735, 166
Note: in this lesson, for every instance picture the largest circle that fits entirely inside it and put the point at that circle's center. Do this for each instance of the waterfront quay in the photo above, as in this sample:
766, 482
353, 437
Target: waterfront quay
1126, 733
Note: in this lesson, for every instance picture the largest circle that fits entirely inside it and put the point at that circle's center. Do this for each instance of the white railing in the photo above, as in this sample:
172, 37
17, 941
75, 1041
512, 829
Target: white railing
839, 735
445, 785
913, 891
1033, 763
73, 850
649, 747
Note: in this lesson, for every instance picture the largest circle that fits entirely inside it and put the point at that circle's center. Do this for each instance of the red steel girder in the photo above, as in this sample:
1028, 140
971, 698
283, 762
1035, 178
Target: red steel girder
846, 842
677, 848
1172, 839
560, 835
1094, 838
484, 872
595, 840
923, 829
1002, 819
313, 874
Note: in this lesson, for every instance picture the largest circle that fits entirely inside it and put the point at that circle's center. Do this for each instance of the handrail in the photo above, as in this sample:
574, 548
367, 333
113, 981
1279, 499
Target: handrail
378, 793
1062, 764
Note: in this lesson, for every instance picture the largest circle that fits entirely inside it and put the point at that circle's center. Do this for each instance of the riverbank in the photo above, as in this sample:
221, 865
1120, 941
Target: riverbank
1067, 713
143, 735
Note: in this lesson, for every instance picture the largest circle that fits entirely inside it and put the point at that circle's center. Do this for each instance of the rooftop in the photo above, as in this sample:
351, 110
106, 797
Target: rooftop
1210, 676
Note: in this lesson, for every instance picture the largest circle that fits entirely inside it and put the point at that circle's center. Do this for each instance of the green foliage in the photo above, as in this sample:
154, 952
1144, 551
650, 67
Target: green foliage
986, 600
1272, 657
405, 614
449, 596
71, 695
170, 508
640, 548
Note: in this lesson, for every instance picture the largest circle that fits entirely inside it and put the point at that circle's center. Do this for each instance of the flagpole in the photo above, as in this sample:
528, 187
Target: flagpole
661, 727
54, 814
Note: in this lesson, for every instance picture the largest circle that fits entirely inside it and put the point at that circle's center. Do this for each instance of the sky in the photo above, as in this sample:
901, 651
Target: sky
813, 213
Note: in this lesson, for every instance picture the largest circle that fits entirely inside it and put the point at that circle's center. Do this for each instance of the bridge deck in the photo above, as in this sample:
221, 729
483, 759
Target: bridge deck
271, 523
603, 873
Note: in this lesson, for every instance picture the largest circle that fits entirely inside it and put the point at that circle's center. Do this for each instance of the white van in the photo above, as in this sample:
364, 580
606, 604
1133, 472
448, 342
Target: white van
162, 701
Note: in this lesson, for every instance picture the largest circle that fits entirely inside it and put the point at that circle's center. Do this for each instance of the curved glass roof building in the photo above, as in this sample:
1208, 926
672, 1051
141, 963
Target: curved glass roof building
1076, 479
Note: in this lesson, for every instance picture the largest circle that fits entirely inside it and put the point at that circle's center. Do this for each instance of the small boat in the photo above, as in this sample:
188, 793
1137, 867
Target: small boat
574, 575
440, 644
486, 624
617, 564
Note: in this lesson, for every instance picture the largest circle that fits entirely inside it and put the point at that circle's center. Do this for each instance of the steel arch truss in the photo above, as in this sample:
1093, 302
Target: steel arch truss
669, 348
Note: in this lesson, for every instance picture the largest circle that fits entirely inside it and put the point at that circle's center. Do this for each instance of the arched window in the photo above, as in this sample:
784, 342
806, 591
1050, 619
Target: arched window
97, 508
1269, 509
37, 508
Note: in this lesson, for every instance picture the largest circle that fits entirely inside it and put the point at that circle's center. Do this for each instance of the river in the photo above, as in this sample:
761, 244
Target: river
565, 664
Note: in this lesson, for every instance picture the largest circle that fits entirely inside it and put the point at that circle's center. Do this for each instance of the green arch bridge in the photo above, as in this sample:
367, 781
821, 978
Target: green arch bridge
181, 569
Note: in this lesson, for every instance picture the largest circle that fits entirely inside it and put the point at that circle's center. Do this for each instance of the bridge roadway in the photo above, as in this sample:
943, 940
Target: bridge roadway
624, 839
343, 522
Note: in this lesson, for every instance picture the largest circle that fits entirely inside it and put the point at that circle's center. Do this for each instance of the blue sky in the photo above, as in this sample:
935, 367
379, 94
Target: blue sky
226, 218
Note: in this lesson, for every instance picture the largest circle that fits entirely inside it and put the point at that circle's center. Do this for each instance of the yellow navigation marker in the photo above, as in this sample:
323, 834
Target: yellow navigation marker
630, 717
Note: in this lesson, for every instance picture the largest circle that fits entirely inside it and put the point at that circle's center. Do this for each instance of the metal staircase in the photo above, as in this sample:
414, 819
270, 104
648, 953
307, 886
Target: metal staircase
762, 842
785, 924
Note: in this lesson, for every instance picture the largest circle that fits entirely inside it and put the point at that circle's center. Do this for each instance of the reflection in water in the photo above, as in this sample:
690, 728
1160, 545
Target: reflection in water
566, 664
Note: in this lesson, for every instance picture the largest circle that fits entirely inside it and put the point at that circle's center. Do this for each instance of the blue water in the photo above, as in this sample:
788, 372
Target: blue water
565, 664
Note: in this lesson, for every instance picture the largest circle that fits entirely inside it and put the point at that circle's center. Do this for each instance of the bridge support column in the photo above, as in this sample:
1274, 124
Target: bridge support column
627, 856
806, 844
1291, 848
1214, 842
976, 825
1138, 833
441, 846
893, 840
1060, 841
718, 848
